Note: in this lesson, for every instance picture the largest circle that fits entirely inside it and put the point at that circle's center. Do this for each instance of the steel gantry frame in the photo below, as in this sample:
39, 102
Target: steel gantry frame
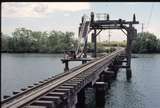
99, 25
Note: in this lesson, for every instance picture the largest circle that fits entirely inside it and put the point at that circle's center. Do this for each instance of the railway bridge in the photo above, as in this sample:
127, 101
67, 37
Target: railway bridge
67, 90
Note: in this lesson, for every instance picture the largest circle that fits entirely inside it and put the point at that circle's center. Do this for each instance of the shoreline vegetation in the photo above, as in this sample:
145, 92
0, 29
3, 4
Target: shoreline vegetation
55, 42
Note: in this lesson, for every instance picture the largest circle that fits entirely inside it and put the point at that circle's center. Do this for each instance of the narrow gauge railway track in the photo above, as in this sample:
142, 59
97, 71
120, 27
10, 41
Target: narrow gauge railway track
43, 83
32, 94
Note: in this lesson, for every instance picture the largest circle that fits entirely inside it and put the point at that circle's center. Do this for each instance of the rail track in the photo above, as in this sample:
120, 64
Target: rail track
59, 87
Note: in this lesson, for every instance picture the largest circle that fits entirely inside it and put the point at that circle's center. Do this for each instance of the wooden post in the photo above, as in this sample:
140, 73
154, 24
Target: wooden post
83, 61
94, 41
100, 93
107, 77
130, 34
114, 67
66, 68
84, 56
81, 99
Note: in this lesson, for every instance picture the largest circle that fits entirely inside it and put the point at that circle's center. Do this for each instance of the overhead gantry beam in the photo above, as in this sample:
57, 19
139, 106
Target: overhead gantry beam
105, 24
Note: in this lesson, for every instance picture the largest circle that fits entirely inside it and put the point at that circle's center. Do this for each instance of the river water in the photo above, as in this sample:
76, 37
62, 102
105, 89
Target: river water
22, 70
143, 91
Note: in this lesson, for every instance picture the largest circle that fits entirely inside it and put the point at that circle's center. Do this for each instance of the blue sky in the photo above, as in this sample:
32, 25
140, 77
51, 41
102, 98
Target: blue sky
67, 16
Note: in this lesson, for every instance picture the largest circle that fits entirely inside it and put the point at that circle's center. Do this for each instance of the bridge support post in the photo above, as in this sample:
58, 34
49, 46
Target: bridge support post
113, 67
116, 68
66, 68
100, 93
130, 35
107, 76
94, 41
128, 73
81, 98
84, 61
84, 56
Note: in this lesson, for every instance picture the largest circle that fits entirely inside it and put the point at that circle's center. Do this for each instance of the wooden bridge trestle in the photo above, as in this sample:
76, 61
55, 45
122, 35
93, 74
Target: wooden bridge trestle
67, 89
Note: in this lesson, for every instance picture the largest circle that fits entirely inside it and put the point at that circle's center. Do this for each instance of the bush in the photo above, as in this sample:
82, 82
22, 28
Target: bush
146, 43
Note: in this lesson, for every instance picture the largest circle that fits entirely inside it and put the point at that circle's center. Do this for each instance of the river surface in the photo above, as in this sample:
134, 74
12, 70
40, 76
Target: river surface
143, 91
22, 70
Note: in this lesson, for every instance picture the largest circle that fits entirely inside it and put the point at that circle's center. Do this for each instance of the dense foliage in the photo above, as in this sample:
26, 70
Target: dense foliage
25, 40
146, 43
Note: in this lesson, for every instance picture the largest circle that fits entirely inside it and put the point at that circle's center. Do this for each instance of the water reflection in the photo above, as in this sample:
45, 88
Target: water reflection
124, 94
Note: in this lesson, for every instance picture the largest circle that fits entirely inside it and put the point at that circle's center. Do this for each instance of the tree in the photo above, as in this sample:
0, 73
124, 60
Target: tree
158, 46
22, 40
26, 40
4, 43
145, 43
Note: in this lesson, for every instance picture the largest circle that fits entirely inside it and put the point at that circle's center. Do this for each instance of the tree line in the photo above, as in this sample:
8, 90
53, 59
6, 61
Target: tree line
27, 41
146, 43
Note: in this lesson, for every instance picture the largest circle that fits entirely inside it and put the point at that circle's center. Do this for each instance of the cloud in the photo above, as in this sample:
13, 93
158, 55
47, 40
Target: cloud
22, 9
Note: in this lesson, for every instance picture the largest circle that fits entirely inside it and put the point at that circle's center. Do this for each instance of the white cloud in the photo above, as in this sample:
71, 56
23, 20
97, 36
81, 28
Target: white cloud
22, 9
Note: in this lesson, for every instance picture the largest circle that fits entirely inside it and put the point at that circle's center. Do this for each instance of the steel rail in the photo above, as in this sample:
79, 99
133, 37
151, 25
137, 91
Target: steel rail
27, 97
46, 82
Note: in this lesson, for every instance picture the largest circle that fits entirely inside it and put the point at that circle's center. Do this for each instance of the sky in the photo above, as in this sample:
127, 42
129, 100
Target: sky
66, 16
